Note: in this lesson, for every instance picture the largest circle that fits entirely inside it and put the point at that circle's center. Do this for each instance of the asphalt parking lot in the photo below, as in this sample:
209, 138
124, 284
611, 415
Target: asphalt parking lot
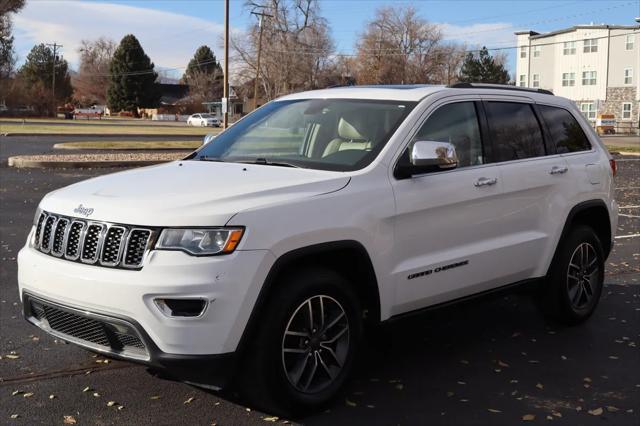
491, 361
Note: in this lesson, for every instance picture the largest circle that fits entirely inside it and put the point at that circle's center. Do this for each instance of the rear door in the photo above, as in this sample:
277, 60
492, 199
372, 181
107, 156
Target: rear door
535, 183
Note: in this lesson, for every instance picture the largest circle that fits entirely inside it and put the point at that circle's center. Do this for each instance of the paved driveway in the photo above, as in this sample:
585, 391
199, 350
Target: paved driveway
485, 362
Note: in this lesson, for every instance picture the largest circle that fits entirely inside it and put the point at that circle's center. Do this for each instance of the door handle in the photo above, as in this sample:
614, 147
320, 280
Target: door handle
558, 170
483, 181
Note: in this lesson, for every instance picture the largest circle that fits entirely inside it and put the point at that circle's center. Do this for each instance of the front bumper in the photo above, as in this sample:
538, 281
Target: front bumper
123, 338
229, 284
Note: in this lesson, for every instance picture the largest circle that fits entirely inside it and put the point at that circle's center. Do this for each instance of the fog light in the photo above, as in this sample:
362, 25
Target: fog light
181, 307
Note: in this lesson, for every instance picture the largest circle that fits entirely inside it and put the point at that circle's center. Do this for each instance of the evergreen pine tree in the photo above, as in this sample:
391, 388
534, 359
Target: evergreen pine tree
482, 68
203, 61
38, 67
133, 79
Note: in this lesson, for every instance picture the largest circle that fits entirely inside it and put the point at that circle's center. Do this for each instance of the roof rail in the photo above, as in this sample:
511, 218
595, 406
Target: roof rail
498, 86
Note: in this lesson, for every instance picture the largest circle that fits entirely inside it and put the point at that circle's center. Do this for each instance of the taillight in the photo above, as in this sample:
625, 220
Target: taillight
614, 166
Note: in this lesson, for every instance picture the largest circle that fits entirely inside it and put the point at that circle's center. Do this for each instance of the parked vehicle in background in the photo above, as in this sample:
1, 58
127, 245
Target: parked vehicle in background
203, 120
88, 113
265, 255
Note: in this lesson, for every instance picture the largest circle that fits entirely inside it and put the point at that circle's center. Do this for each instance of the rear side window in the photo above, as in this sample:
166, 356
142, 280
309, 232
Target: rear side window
565, 131
515, 131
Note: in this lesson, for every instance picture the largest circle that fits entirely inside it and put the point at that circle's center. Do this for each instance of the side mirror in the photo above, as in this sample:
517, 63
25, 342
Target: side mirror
427, 157
441, 155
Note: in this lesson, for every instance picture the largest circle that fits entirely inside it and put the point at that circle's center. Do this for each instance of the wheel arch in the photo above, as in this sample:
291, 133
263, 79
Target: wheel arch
347, 257
593, 213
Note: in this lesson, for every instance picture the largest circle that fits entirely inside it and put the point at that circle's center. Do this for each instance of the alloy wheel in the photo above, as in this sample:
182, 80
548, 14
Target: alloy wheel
583, 276
315, 344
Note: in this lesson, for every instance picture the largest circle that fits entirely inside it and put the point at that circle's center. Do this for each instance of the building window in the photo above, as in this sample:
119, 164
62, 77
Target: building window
569, 48
523, 80
629, 42
568, 79
626, 111
628, 76
523, 51
589, 78
590, 45
588, 110
536, 80
537, 51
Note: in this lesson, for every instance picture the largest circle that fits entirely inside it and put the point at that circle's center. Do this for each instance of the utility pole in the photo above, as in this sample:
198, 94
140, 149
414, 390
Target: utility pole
53, 78
261, 16
225, 101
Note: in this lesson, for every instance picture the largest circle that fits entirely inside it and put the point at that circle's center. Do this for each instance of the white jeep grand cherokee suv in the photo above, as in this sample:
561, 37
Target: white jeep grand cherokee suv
265, 254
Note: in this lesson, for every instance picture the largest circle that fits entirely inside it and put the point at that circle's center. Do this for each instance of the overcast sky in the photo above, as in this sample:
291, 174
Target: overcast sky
170, 31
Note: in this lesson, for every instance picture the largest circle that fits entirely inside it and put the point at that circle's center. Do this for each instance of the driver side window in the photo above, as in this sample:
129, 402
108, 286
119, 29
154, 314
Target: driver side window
457, 124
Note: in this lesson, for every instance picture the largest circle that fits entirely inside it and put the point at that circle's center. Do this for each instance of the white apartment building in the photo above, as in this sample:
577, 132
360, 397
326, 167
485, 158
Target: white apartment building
597, 66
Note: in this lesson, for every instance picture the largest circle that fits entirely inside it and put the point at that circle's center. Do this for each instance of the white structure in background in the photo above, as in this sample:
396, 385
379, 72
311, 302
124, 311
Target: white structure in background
597, 66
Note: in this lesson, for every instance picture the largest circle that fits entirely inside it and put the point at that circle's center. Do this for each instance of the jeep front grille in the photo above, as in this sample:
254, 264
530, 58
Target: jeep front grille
92, 242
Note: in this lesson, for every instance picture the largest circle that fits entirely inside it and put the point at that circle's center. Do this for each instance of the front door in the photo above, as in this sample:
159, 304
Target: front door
447, 240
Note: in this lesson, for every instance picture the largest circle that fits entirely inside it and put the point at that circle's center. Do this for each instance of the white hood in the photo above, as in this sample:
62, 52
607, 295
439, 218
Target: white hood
188, 193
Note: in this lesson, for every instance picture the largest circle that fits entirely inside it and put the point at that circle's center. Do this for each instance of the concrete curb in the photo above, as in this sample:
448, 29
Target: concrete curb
64, 147
25, 163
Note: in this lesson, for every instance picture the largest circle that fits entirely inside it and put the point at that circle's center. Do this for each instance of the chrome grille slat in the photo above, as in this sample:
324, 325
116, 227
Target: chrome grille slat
47, 229
59, 232
39, 223
92, 242
113, 245
72, 246
137, 242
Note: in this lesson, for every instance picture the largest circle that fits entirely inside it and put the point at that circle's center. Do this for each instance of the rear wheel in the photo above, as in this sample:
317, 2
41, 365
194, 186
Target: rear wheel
305, 344
575, 281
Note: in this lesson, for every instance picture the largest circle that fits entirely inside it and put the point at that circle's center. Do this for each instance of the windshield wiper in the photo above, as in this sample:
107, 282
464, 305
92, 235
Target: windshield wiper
266, 162
207, 158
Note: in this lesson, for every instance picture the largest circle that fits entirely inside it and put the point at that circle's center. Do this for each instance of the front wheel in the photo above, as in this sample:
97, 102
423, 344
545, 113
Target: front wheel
576, 277
305, 344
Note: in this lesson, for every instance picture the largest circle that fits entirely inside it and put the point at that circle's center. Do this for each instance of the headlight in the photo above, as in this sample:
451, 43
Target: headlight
200, 242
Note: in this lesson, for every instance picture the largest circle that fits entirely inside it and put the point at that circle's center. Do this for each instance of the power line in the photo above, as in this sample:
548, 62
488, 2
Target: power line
368, 53
546, 21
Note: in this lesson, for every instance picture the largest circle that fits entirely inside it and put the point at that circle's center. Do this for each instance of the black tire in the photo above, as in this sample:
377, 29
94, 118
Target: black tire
265, 381
571, 294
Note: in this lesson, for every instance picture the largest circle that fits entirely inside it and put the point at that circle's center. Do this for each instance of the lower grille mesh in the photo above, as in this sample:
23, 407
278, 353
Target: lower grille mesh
119, 339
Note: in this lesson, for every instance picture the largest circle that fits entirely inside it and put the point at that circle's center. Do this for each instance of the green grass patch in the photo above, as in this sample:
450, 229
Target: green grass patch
128, 145
92, 121
614, 148
111, 129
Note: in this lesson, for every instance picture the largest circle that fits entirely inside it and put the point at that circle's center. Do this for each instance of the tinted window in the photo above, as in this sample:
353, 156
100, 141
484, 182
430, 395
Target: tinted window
565, 131
515, 131
456, 124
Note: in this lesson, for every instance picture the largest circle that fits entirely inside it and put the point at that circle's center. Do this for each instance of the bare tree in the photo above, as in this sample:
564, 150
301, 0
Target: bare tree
449, 60
400, 47
296, 47
92, 80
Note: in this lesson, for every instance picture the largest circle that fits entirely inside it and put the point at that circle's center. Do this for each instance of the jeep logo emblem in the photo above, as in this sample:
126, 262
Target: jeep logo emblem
84, 211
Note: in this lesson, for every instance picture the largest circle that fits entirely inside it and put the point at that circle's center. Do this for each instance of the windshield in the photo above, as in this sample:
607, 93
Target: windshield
324, 134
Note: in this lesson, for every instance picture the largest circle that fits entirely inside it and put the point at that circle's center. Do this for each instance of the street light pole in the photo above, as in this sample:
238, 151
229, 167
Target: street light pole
255, 82
225, 115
